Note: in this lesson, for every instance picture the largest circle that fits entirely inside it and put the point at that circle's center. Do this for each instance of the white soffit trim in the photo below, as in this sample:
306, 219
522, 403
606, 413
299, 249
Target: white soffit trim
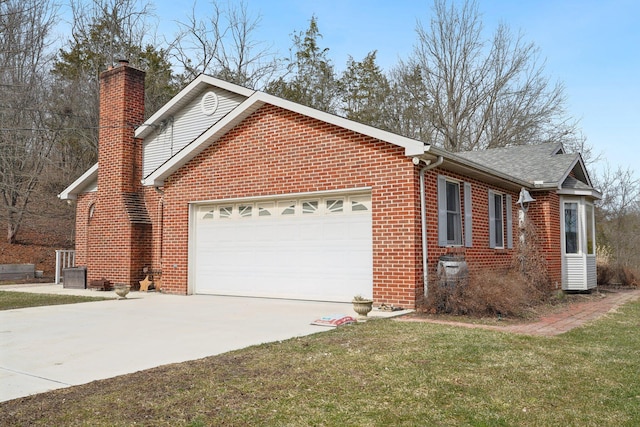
71, 192
595, 194
411, 147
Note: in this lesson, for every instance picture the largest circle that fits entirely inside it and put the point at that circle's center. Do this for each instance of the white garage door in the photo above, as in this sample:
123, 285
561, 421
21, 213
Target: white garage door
316, 248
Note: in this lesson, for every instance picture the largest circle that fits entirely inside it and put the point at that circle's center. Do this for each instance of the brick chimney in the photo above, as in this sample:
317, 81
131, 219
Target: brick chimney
119, 232
121, 111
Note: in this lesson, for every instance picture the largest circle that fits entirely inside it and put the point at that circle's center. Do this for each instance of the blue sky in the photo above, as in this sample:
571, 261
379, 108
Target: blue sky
592, 46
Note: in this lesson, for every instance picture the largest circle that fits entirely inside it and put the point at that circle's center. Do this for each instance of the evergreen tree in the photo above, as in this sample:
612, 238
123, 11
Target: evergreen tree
364, 92
111, 31
310, 78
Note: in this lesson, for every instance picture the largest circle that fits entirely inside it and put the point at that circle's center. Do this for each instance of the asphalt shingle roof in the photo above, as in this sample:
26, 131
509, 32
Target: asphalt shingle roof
527, 162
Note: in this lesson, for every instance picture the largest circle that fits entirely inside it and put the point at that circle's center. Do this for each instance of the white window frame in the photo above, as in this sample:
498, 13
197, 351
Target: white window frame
578, 225
496, 220
500, 222
590, 228
460, 236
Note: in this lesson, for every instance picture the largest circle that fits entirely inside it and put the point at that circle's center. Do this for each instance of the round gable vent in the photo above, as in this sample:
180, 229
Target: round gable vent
209, 103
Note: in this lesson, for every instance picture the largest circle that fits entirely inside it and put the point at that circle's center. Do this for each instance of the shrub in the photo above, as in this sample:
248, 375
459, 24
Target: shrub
616, 274
530, 261
627, 277
485, 293
606, 274
491, 291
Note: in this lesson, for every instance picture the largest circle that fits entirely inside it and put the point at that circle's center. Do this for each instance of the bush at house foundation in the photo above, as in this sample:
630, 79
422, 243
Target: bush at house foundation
486, 293
505, 292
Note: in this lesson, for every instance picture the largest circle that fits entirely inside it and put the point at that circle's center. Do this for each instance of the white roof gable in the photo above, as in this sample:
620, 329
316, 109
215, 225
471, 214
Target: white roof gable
185, 96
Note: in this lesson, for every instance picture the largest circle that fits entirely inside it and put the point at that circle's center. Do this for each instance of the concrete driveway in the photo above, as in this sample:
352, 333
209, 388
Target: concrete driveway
44, 348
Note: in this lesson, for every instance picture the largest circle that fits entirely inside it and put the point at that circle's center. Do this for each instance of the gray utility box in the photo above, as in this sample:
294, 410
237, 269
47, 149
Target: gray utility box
17, 271
452, 270
74, 278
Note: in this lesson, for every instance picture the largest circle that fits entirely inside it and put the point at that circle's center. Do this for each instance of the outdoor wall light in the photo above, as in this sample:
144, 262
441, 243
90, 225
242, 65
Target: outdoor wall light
524, 199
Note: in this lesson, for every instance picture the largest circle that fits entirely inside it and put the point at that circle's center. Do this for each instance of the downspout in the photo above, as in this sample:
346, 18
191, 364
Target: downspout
423, 216
160, 218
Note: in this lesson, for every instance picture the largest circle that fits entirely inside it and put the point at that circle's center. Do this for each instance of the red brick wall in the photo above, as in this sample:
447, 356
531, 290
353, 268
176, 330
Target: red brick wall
153, 202
279, 152
83, 206
480, 255
545, 214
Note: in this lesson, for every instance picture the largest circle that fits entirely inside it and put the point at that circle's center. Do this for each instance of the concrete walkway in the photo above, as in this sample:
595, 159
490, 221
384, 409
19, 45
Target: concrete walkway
44, 348
573, 316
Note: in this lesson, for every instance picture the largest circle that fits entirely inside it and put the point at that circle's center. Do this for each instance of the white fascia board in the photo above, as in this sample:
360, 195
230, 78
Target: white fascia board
566, 173
202, 80
244, 110
71, 192
412, 147
231, 87
595, 194
584, 169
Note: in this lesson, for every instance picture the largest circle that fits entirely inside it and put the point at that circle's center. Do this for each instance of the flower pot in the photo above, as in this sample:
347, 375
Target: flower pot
122, 290
362, 307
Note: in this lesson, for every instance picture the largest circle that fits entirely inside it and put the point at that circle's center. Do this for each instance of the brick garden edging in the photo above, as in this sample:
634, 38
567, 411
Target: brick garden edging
573, 316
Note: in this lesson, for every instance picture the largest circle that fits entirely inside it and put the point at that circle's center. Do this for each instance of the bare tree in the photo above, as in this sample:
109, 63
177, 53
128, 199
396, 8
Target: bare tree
103, 32
25, 141
619, 215
403, 113
576, 142
481, 94
222, 45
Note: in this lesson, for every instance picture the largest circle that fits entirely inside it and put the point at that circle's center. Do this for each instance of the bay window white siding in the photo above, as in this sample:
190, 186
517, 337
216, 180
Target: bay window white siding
578, 244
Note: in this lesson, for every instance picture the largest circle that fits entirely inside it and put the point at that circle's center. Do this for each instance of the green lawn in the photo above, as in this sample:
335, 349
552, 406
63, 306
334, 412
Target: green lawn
381, 373
10, 300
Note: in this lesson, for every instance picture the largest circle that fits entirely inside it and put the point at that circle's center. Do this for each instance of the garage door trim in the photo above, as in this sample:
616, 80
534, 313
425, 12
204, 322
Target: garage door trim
325, 193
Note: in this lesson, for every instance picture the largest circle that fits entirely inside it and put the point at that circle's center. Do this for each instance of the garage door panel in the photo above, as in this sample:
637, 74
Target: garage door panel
301, 250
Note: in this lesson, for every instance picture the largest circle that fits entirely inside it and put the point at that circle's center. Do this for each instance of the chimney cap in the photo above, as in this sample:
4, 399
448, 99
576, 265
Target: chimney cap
123, 61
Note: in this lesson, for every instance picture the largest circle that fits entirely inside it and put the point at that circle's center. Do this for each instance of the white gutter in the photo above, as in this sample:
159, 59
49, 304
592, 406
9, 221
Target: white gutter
423, 217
